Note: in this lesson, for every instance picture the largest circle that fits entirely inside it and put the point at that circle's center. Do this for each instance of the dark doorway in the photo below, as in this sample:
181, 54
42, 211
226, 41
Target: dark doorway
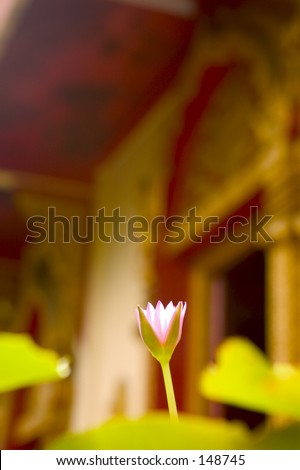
245, 315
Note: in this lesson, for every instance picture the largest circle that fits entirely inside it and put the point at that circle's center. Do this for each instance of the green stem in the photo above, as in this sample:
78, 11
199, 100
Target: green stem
169, 391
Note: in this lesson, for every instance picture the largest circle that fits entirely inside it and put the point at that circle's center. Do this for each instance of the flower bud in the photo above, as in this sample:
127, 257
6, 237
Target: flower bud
161, 328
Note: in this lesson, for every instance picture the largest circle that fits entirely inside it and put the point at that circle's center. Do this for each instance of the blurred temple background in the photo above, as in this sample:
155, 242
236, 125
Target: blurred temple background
141, 110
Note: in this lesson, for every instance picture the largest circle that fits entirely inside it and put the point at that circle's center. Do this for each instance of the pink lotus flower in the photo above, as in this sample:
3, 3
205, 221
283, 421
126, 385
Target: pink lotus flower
161, 328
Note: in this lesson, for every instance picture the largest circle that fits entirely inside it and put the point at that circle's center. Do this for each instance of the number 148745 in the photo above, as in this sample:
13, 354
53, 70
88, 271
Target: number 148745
223, 459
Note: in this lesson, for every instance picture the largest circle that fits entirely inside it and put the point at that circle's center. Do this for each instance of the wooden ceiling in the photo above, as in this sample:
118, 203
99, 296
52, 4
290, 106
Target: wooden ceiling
76, 76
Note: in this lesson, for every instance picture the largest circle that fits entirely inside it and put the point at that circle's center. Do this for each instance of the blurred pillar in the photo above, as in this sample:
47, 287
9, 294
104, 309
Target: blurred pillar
283, 256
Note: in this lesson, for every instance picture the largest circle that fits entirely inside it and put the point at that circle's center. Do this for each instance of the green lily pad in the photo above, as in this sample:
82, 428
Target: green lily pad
23, 363
243, 376
155, 431
287, 438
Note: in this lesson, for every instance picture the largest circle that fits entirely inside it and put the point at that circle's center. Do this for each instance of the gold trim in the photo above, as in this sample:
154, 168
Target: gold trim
47, 185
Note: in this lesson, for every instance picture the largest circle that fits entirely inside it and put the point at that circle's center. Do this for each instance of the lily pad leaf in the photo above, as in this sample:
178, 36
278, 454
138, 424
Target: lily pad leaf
155, 431
23, 363
283, 438
243, 376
